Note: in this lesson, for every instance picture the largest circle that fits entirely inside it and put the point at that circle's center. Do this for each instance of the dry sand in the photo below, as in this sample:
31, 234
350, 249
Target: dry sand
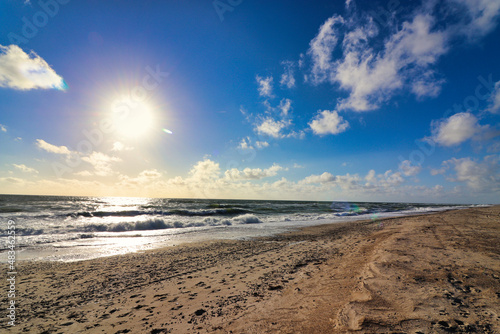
435, 273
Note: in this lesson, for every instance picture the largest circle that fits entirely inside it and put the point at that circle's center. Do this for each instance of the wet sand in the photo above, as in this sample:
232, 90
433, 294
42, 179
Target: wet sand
436, 273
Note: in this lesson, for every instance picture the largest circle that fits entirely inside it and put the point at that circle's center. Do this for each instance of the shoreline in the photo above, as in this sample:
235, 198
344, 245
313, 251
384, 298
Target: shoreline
98, 246
414, 272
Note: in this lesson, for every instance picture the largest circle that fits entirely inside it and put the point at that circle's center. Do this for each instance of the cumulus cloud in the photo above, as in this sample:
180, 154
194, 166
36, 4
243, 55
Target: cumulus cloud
25, 168
265, 86
207, 180
275, 122
382, 182
271, 127
101, 163
52, 148
261, 144
245, 144
323, 178
456, 129
205, 170
3, 128
408, 169
370, 177
480, 176
252, 173
328, 122
19, 70
144, 178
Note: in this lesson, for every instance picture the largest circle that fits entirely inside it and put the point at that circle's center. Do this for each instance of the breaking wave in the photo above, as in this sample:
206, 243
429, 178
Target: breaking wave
161, 224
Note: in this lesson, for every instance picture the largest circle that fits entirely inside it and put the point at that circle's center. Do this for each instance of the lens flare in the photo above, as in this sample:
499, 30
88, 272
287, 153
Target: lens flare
167, 131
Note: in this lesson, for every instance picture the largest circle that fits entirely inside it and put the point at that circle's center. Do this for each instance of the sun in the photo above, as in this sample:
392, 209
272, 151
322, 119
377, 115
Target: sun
132, 119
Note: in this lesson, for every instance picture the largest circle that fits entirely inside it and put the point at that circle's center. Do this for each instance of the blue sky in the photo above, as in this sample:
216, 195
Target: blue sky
331, 100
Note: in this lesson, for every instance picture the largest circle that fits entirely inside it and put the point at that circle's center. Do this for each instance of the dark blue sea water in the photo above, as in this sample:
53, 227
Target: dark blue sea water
75, 228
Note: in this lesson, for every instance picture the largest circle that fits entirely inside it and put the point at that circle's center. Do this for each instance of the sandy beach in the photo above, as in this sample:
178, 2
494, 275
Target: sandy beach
435, 273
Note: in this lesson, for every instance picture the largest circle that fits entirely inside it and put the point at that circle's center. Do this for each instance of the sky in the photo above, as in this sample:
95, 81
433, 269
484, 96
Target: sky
290, 100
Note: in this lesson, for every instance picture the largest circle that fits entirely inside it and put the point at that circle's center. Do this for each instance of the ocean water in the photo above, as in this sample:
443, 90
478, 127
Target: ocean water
62, 228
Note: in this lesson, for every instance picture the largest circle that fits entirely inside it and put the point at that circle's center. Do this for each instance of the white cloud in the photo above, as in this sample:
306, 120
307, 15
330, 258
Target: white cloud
145, 178
261, 144
101, 163
440, 171
285, 106
245, 144
206, 180
392, 178
288, 76
480, 176
119, 146
271, 127
494, 105
205, 171
275, 122
427, 85
323, 178
252, 174
349, 52
25, 168
52, 148
328, 122
18, 70
84, 173
370, 177
408, 169
382, 182
3, 128
373, 77
456, 129
265, 86
321, 48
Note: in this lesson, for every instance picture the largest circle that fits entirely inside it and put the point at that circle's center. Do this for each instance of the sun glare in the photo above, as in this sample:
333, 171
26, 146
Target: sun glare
132, 119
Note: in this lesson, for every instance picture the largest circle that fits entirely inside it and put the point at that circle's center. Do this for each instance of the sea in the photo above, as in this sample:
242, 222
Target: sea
67, 228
